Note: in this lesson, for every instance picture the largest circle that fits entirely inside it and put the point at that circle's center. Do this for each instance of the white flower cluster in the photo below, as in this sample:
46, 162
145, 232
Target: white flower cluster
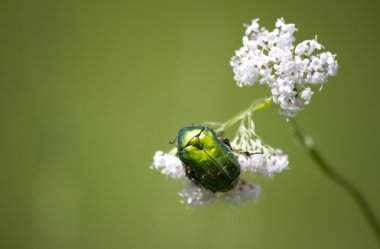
193, 194
269, 57
168, 164
253, 155
196, 195
264, 164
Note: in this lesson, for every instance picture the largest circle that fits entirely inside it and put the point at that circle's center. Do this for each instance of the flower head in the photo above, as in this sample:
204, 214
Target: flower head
196, 195
168, 164
270, 58
253, 157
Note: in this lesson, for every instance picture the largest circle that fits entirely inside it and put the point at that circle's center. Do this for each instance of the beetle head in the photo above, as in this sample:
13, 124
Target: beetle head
186, 134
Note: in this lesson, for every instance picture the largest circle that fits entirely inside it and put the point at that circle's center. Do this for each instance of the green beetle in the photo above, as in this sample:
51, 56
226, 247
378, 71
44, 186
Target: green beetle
208, 159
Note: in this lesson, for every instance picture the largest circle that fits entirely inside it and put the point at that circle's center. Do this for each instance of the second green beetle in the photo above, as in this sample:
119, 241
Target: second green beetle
207, 158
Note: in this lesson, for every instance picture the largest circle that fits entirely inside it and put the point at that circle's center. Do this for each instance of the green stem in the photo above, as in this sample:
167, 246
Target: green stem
328, 170
254, 107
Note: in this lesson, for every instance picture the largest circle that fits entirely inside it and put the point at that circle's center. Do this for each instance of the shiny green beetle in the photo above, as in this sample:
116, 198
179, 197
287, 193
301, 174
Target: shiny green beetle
208, 159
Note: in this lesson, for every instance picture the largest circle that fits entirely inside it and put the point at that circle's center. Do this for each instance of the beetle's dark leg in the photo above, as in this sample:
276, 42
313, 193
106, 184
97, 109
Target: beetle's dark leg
190, 174
226, 142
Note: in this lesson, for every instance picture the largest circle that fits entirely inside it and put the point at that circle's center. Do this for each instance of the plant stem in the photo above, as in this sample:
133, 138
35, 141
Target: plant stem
328, 170
255, 106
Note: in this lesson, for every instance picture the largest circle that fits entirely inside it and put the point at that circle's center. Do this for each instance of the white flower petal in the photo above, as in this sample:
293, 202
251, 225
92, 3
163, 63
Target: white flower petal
242, 193
306, 95
195, 195
269, 57
168, 164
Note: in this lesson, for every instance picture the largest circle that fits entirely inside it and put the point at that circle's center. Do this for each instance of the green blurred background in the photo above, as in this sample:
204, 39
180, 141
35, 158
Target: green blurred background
89, 90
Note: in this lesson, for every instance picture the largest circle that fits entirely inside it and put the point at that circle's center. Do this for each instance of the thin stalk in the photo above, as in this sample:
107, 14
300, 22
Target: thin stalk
254, 107
342, 182
322, 164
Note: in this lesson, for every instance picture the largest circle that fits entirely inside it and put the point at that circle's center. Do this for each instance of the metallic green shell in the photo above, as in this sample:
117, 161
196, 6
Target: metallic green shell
208, 160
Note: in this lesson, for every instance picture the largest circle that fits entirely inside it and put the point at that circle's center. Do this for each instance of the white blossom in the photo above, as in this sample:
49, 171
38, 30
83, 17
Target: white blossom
255, 156
196, 195
264, 164
168, 164
242, 193
306, 95
271, 58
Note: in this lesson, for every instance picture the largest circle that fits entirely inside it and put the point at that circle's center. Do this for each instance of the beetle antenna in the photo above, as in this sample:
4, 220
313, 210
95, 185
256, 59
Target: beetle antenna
173, 141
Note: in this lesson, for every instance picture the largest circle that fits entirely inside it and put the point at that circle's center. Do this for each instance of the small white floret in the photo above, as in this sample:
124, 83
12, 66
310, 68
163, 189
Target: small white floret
306, 95
242, 193
270, 57
168, 164
196, 195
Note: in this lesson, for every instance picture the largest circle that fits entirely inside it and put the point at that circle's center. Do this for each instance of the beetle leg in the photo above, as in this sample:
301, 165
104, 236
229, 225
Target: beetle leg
190, 174
226, 142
